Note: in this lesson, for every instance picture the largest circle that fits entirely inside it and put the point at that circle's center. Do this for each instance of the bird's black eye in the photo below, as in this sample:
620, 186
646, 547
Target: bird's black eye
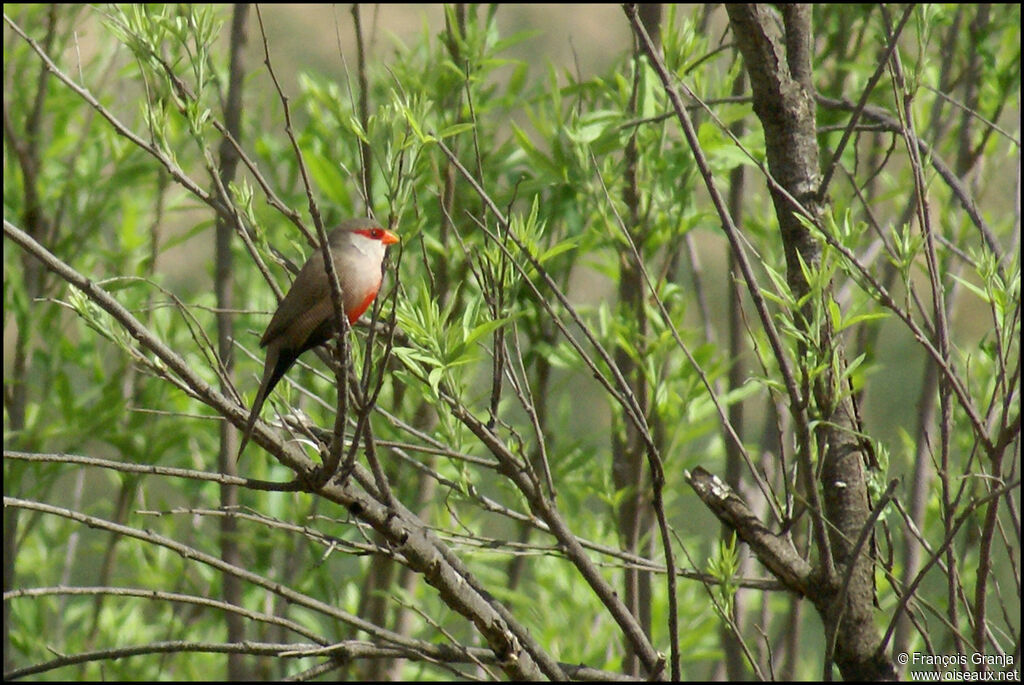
376, 234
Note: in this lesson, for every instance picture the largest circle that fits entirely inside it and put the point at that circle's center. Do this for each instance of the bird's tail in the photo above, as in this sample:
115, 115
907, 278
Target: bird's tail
256, 406
273, 371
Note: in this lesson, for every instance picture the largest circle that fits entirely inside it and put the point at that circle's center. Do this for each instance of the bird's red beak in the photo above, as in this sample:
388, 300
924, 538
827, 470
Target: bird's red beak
389, 238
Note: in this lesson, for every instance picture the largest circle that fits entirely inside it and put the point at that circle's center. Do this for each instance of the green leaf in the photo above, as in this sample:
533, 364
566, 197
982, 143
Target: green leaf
484, 329
455, 129
327, 175
862, 318
558, 248
980, 292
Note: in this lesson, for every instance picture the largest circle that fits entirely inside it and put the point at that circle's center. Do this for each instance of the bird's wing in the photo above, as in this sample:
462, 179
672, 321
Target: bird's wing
303, 301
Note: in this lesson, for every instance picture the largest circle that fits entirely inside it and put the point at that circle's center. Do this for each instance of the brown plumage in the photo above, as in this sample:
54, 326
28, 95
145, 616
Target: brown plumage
305, 317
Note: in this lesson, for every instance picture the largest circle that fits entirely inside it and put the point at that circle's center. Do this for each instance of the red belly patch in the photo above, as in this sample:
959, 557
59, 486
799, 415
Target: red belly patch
361, 307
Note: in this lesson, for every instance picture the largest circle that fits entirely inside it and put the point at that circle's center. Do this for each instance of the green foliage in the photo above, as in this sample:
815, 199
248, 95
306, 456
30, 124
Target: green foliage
532, 281
723, 567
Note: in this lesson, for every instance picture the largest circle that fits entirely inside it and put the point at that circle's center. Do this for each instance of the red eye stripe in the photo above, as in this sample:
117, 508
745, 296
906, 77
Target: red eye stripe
383, 235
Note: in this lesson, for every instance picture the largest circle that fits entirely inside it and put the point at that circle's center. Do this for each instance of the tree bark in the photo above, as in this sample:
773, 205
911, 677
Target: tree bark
780, 76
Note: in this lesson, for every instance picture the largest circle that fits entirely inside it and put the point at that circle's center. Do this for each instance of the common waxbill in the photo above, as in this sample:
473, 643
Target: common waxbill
305, 316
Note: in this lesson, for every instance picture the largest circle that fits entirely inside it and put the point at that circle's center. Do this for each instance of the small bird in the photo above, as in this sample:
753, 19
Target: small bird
305, 317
